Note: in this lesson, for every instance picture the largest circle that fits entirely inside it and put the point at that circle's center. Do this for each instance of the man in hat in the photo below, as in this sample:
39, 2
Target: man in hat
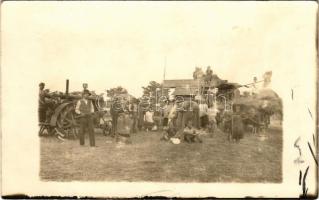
84, 108
85, 86
44, 102
42, 106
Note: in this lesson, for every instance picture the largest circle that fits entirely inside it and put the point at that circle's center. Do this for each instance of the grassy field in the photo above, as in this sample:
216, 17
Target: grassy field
253, 159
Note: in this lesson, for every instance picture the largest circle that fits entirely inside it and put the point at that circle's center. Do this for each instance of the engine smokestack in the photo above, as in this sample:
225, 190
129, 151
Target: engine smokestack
67, 87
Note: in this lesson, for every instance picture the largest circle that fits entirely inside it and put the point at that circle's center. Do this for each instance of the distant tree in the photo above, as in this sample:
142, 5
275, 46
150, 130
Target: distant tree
155, 92
151, 89
116, 91
198, 73
155, 89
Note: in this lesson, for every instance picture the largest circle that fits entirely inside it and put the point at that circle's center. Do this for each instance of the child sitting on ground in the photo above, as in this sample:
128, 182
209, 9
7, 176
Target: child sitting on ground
190, 135
169, 132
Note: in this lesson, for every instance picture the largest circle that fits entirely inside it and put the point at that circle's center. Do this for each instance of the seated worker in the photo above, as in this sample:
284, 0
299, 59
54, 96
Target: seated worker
106, 124
169, 132
190, 135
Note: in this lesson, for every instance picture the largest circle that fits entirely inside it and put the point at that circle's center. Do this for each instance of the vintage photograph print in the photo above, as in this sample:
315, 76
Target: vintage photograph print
173, 93
200, 129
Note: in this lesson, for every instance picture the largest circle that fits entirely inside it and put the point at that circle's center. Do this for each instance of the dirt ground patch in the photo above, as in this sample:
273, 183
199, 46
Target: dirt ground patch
253, 159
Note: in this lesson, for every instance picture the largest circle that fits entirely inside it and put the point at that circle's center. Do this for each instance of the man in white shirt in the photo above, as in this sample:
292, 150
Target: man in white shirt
166, 111
148, 119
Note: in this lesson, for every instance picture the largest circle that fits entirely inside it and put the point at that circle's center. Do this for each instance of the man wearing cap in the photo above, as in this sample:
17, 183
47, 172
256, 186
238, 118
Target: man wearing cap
84, 108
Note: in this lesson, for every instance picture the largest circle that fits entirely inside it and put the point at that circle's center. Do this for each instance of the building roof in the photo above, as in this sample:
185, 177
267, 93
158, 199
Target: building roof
183, 91
193, 83
180, 83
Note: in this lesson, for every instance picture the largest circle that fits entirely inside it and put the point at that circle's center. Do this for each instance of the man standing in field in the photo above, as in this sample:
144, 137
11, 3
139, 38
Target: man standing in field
84, 108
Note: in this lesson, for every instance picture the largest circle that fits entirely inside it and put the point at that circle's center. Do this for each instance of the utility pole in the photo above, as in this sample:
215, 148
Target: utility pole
164, 74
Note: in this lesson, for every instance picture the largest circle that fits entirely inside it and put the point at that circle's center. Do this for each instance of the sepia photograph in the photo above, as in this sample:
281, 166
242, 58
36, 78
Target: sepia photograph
204, 129
159, 95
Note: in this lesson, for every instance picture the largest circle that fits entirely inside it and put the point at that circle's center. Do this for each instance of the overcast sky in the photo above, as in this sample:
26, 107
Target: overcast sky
108, 44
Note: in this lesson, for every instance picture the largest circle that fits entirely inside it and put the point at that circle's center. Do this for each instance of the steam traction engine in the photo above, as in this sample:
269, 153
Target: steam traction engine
61, 119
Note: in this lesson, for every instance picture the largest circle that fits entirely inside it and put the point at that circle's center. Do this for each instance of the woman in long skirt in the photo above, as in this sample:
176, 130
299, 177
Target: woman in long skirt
237, 127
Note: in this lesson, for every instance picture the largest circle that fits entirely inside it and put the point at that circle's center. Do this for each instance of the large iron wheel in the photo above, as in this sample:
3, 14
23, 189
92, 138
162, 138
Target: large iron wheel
67, 122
